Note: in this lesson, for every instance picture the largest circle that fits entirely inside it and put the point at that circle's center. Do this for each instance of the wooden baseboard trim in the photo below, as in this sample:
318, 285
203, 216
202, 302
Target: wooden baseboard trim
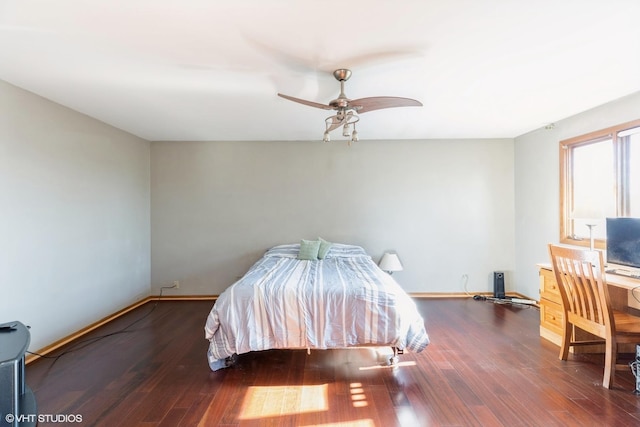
57, 344
66, 340
411, 294
461, 295
186, 297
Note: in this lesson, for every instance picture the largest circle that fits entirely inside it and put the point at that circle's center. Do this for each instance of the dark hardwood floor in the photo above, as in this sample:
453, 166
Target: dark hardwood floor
486, 366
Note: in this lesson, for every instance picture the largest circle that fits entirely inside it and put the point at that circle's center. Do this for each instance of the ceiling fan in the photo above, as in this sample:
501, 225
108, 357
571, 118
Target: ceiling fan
347, 110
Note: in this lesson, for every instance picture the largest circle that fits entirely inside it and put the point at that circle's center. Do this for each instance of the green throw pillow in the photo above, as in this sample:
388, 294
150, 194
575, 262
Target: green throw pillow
309, 249
324, 248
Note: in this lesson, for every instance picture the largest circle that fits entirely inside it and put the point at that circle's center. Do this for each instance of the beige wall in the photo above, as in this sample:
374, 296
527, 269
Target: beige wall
74, 217
446, 207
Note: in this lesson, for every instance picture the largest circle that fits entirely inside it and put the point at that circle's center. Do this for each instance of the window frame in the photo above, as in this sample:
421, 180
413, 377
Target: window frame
621, 171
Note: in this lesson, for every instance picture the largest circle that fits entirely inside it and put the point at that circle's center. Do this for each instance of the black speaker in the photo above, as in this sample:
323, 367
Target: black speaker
498, 284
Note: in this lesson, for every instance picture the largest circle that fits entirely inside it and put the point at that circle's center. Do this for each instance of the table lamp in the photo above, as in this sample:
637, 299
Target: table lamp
390, 263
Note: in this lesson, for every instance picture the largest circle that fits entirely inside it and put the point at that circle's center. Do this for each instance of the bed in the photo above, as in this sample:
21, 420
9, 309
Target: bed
341, 300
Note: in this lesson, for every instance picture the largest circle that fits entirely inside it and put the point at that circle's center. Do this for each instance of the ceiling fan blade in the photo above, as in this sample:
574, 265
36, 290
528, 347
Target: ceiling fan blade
380, 102
305, 102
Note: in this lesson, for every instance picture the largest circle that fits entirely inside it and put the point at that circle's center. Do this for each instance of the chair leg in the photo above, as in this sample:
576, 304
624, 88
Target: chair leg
566, 340
610, 354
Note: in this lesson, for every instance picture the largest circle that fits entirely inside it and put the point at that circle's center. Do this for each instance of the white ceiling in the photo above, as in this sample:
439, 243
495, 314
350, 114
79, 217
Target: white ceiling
210, 70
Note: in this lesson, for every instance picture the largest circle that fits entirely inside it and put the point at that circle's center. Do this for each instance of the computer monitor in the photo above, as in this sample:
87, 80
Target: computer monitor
623, 241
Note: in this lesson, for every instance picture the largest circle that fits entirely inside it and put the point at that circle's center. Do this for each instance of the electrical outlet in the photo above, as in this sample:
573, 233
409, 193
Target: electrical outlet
176, 284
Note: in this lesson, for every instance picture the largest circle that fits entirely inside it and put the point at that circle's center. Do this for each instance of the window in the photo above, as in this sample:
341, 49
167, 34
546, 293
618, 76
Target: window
599, 178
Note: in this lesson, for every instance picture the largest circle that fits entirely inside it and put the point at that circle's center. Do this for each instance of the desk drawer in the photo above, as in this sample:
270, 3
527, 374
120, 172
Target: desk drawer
551, 316
548, 286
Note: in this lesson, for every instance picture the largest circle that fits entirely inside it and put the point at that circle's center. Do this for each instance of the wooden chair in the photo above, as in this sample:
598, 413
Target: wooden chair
586, 305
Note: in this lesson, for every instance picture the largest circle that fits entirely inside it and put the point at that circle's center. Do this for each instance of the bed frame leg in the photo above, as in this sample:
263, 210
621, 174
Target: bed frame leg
230, 361
395, 359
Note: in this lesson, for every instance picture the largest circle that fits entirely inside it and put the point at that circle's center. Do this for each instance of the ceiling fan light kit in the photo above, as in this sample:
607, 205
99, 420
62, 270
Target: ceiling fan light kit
347, 109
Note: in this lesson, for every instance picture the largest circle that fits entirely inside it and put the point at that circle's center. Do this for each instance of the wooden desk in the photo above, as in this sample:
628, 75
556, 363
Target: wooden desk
620, 293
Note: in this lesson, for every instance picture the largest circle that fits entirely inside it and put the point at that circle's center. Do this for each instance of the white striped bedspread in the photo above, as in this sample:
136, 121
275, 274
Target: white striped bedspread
343, 300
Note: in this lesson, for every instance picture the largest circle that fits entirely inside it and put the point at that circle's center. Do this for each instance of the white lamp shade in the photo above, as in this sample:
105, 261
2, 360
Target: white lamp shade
390, 262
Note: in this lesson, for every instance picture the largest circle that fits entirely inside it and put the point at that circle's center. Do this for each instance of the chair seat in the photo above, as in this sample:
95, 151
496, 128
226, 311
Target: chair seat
626, 324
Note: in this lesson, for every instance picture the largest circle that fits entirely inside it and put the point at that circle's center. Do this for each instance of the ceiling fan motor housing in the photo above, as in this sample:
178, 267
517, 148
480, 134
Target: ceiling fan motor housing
340, 103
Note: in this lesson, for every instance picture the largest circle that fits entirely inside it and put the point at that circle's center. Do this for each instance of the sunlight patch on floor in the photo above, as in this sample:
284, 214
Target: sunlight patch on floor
358, 398
273, 401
